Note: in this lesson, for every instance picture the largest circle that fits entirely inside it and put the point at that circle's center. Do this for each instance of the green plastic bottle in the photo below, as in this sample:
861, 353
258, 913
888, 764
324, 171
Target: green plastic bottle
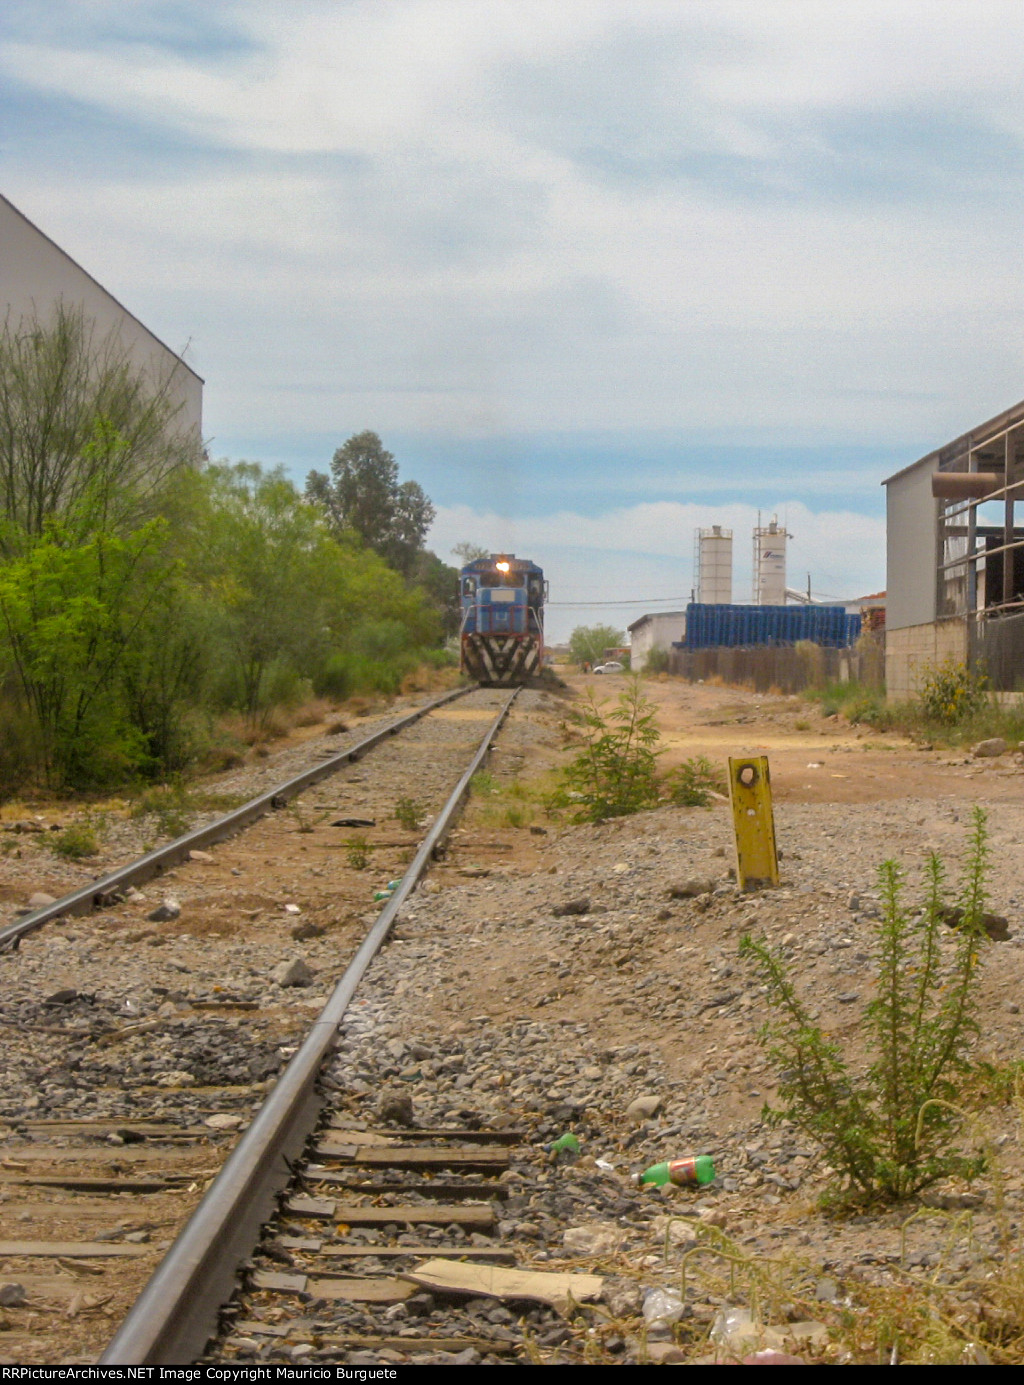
687, 1173
565, 1144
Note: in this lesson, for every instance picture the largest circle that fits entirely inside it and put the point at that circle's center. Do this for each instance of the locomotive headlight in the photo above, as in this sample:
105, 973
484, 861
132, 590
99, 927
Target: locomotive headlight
502, 567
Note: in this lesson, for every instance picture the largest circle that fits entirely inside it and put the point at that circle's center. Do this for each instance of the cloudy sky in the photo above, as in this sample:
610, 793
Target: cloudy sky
597, 272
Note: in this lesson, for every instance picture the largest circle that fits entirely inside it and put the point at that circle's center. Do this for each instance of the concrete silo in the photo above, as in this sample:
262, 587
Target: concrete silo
713, 565
770, 564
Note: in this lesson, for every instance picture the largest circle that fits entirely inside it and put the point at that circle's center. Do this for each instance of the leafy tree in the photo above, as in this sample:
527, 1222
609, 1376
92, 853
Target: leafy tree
267, 562
469, 552
68, 612
441, 584
587, 643
86, 438
292, 603
363, 496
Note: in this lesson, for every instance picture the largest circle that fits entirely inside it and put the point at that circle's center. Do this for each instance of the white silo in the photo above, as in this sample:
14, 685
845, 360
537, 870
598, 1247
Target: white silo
770, 564
714, 565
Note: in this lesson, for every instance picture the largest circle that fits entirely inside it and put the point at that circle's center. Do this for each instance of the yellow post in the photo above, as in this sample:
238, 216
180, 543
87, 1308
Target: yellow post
750, 790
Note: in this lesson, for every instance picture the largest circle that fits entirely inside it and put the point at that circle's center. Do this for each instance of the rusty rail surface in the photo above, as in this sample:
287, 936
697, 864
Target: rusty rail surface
92, 896
176, 1313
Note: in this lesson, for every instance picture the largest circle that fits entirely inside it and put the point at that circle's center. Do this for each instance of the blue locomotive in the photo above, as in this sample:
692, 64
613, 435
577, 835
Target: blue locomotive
502, 634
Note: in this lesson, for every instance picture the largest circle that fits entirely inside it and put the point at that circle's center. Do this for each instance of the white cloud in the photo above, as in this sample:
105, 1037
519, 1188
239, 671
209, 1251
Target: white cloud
473, 216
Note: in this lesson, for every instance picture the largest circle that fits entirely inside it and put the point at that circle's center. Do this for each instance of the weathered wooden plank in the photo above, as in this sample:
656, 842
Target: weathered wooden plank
433, 1188
495, 1255
361, 1289
352, 1288
279, 1283
59, 1289
412, 1214
466, 1137
310, 1207
85, 1123
415, 1156
298, 1243
72, 1250
416, 1346
99, 1185
492, 1281
251, 1328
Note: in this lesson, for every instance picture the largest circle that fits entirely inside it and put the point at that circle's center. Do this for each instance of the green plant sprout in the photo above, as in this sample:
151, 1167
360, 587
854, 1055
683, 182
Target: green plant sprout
889, 1131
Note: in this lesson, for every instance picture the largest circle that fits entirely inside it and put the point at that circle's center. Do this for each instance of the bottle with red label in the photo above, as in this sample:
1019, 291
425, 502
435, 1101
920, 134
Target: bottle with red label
685, 1173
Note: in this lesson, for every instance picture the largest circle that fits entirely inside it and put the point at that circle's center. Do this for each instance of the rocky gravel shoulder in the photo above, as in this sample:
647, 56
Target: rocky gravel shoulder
574, 978
601, 992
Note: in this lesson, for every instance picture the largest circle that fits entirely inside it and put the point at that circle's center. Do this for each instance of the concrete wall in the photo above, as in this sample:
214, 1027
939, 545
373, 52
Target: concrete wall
654, 632
912, 521
911, 648
36, 275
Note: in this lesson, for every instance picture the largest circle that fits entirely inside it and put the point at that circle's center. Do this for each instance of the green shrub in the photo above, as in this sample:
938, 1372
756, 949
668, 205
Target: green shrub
888, 1130
408, 813
77, 841
170, 804
691, 784
616, 772
657, 661
857, 702
357, 852
951, 693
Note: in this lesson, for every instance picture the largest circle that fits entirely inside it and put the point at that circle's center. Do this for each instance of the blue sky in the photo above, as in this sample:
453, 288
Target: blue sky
597, 272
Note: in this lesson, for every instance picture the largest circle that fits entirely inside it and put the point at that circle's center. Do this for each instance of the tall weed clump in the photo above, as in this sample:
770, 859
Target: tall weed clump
952, 693
615, 772
888, 1131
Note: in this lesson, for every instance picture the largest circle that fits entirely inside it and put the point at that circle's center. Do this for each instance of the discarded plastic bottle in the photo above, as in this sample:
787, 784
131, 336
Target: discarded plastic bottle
387, 891
567, 1143
687, 1173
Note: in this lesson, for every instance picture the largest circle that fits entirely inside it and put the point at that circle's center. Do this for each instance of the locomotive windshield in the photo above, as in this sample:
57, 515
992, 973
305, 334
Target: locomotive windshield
502, 579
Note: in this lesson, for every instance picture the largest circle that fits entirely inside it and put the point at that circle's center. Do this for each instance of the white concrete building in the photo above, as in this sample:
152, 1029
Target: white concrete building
36, 275
654, 632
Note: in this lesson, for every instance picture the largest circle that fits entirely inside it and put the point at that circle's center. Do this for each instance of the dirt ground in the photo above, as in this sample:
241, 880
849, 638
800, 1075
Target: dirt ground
639, 993
813, 758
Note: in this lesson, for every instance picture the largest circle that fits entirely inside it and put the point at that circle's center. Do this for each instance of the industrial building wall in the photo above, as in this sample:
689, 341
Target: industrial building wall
911, 649
911, 549
36, 275
655, 632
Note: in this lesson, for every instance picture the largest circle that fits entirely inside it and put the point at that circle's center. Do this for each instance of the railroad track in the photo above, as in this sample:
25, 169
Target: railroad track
93, 1187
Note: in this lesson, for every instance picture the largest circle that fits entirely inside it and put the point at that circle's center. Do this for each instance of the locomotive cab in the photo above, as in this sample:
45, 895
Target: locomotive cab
502, 634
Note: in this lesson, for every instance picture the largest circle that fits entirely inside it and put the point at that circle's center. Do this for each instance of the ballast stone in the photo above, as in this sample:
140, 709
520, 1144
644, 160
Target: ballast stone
644, 1107
165, 912
294, 973
690, 889
990, 749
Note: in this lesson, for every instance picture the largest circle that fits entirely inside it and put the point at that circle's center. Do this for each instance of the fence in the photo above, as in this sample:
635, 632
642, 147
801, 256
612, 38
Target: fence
997, 650
784, 668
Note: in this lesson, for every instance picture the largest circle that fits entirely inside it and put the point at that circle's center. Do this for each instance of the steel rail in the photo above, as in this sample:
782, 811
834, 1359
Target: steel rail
92, 896
176, 1313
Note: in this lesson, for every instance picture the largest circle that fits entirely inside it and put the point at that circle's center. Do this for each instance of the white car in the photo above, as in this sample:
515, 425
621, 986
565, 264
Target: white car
613, 667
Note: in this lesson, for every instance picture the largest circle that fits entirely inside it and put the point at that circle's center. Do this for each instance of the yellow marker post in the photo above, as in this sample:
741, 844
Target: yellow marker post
750, 790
